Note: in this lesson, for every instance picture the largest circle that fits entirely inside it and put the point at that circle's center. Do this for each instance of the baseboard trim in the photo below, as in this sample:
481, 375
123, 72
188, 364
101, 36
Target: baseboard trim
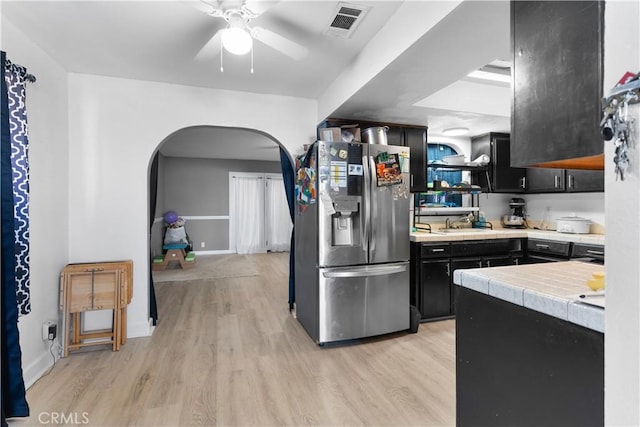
140, 329
217, 252
36, 370
38, 367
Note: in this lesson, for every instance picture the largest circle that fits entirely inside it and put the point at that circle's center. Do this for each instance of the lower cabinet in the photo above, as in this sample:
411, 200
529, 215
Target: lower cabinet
532, 370
435, 292
433, 264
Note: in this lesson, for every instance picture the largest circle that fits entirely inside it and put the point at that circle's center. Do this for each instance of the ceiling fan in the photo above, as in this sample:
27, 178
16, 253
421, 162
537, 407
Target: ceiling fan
237, 37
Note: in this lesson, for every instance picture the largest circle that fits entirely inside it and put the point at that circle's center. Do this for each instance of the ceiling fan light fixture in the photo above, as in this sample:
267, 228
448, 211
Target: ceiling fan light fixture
455, 131
237, 40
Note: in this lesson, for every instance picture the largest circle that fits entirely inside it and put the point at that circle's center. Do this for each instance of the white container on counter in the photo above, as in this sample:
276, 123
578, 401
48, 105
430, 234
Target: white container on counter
573, 224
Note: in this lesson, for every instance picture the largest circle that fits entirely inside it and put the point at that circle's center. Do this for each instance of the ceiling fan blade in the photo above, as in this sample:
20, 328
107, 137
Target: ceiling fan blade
211, 49
204, 6
258, 7
280, 43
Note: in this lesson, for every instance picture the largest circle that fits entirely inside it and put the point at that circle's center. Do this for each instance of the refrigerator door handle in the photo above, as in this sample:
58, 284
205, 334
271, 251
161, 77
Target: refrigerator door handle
373, 210
366, 272
365, 211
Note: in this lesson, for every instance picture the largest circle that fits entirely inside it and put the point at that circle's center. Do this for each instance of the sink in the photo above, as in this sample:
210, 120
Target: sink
460, 230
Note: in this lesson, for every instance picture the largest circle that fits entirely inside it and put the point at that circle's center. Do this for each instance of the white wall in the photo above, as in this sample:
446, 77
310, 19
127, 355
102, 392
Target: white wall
115, 126
585, 205
48, 157
622, 331
410, 22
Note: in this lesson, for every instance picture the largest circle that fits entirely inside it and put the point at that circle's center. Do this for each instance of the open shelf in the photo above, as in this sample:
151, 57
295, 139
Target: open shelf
453, 190
462, 167
426, 211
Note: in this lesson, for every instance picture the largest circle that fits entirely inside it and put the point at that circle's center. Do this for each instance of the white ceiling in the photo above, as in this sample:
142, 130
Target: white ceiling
220, 143
159, 40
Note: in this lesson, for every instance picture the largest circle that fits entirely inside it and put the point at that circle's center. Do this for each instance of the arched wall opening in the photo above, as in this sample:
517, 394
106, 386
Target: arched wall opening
117, 128
190, 174
194, 165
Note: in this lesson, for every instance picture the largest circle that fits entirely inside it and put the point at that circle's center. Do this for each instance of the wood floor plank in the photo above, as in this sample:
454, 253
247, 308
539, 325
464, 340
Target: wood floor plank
227, 352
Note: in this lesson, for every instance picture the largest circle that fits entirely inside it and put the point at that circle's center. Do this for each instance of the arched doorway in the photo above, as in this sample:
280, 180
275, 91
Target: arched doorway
194, 171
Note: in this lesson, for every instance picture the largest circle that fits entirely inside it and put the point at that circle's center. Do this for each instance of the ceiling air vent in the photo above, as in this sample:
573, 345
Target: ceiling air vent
346, 19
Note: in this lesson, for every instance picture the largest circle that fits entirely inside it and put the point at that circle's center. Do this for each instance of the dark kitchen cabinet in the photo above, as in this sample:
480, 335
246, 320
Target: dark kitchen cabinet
431, 280
502, 177
462, 263
433, 264
506, 179
557, 49
395, 136
545, 180
497, 261
416, 140
548, 180
539, 251
414, 137
520, 367
581, 181
435, 299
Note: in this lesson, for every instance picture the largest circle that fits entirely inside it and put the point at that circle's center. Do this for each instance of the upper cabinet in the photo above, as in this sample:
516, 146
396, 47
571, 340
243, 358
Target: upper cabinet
557, 49
579, 181
502, 178
414, 137
545, 180
416, 140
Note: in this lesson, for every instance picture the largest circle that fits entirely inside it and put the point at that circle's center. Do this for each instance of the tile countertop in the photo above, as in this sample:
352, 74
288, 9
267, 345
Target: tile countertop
549, 288
438, 236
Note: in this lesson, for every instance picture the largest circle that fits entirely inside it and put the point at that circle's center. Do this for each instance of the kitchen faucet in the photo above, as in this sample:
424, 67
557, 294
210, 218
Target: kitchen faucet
456, 224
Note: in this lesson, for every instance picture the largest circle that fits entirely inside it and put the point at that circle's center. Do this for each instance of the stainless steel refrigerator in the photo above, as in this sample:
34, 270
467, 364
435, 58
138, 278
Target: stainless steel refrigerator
352, 240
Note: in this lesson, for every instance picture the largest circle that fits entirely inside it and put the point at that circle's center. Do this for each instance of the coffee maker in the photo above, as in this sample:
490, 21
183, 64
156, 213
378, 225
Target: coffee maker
517, 219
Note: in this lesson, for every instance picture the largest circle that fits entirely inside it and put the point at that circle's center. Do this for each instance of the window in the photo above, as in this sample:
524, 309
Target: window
435, 152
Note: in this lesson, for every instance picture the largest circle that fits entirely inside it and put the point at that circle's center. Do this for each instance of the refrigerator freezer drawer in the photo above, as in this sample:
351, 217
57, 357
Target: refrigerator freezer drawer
364, 301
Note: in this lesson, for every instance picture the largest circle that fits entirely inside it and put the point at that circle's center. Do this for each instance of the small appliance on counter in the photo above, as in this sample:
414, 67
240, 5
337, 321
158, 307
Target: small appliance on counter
573, 225
517, 219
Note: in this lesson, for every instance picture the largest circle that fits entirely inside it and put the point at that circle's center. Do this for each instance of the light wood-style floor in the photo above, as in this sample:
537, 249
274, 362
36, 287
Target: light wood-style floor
228, 352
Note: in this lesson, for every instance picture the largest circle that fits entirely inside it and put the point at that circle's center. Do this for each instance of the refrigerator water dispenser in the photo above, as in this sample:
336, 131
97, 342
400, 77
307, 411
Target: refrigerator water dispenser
342, 221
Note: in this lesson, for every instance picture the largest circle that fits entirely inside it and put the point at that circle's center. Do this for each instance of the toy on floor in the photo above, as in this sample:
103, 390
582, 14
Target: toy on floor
175, 252
176, 244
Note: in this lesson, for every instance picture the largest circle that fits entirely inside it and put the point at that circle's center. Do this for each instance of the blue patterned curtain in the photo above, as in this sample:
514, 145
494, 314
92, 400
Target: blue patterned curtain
14, 233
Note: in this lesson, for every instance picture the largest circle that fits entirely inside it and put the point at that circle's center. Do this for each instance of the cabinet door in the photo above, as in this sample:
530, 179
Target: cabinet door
503, 178
497, 261
462, 263
435, 298
585, 181
557, 80
395, 136
506, 179
544, 180
416, 140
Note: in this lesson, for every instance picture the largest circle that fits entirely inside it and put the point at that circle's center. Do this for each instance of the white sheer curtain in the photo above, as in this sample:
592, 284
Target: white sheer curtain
278, 221
248, 193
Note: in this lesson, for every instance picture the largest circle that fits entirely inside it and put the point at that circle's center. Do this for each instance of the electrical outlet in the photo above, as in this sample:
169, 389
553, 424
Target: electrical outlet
53, 332
49, 330
202, 244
